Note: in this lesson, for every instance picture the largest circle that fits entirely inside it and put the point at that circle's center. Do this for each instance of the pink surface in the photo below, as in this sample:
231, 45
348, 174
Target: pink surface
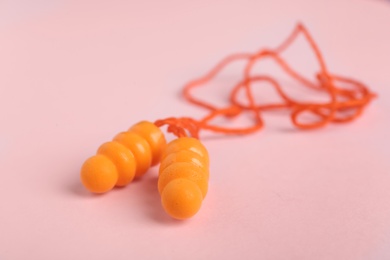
73, 74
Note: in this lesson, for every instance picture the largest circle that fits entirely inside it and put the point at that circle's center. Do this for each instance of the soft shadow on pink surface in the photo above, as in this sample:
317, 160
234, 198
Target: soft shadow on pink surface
77, 188
145, 194
150, 199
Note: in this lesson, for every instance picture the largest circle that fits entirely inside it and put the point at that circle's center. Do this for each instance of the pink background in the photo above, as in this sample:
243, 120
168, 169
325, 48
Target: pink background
75, 73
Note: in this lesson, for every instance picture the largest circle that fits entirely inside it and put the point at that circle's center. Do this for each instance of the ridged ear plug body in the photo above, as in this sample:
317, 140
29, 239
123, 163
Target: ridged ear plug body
188, 144
186, 156
183, 177
140, 149
118, 162
122, 158
184, 170
153, 135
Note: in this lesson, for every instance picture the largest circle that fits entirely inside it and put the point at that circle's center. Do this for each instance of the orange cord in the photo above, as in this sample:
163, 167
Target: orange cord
342, 101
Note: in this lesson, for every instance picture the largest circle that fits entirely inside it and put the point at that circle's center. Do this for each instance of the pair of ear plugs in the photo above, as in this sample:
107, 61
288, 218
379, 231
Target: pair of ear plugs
183, 174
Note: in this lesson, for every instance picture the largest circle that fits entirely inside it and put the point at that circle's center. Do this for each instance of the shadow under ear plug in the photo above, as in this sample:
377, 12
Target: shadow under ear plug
129, 155
183, 177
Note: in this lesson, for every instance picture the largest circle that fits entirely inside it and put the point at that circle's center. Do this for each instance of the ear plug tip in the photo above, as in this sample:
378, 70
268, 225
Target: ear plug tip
99, 174
181, 198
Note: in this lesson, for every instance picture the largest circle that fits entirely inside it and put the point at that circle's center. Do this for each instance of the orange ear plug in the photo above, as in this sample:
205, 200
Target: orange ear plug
183, 177
129, 155
184, 170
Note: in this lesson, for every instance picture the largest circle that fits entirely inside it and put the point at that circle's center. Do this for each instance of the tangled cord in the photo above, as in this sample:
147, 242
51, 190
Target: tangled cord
344, 105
